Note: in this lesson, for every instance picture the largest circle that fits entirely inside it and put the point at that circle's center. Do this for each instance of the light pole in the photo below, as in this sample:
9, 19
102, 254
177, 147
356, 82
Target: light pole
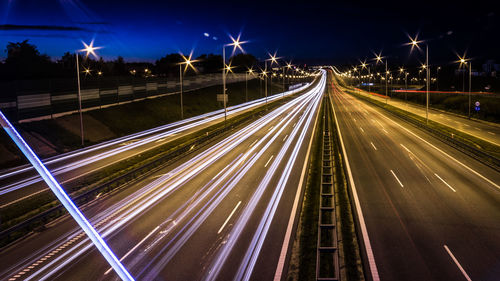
414, 43
189, 63
249, 71
437, 78
89, 49
467, 63
367, 66
236, 44
272, 59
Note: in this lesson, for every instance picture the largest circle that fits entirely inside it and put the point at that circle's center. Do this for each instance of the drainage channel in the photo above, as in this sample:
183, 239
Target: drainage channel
327, 260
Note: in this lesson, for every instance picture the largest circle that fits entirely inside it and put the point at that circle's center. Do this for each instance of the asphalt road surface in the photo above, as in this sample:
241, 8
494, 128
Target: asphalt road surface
431, 212
484, 130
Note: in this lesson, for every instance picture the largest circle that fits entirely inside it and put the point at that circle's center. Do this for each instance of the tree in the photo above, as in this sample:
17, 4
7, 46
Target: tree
25, 61
242, 62
168, 65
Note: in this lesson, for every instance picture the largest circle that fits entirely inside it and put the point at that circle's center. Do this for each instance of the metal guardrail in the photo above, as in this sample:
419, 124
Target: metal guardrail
471, 151
327, 250
55, 99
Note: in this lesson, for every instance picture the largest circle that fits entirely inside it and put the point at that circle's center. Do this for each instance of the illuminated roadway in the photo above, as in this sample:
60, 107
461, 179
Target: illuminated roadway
22, 182
484, 130
219, 214
431, 212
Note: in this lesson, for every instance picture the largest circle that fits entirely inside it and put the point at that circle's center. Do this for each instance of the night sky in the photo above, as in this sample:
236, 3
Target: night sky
306, 31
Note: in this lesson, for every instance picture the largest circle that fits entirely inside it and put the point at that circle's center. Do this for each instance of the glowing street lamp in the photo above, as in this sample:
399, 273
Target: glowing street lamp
467, 63
89, 49
188, 62
365, 65
249, 71
414, 44
378, 58
273, 59
236, 43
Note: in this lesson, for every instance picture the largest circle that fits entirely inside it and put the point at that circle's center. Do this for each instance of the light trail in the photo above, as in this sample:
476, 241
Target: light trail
206, 210
238, 227
146, 197
66, 201
187, 124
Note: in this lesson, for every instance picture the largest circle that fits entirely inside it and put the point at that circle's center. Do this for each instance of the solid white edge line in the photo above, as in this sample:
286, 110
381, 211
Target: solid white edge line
457, 263
364, 231
445, 182
291, 220
228, 218
373, 145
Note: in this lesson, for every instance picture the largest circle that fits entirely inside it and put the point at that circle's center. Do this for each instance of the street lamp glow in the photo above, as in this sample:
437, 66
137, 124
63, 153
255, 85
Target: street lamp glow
89, 49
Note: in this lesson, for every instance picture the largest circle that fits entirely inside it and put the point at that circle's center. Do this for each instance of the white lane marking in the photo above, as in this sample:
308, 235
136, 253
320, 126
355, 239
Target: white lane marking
406, 148
478, 128
285, 137
491, 133
396, 178
466, 125
267, 163
441, 151
354, 119
135, 247
291, 220
361, 129
457, 263
445, 182
364, 232
270, 128
228, 218
383, 129
373, 145
294, 125
253, 143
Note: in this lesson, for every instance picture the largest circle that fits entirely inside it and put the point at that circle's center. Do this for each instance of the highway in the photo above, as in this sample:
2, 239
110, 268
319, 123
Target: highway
430, 212
22, 182
484, 130
225, 212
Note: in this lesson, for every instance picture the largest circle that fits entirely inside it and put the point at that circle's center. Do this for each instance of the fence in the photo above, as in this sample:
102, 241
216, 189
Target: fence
51, 98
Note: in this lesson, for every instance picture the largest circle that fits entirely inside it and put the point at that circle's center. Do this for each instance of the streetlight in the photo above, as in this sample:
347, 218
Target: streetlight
273, 59
467, 63
378, 58
288, 66
365, 65
188, 62
249, 71
89, 49
236, 45
414, 44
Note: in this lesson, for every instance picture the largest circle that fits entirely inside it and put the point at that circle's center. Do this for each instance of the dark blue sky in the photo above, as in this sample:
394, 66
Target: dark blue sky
303, 30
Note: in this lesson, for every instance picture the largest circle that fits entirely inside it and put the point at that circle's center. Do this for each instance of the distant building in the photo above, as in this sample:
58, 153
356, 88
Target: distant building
490, 68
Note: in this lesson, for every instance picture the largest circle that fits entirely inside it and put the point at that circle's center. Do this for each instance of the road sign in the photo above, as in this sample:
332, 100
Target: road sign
476, 108
477, 103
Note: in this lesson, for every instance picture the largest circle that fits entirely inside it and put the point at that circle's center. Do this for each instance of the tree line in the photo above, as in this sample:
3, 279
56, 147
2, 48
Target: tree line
24, 61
